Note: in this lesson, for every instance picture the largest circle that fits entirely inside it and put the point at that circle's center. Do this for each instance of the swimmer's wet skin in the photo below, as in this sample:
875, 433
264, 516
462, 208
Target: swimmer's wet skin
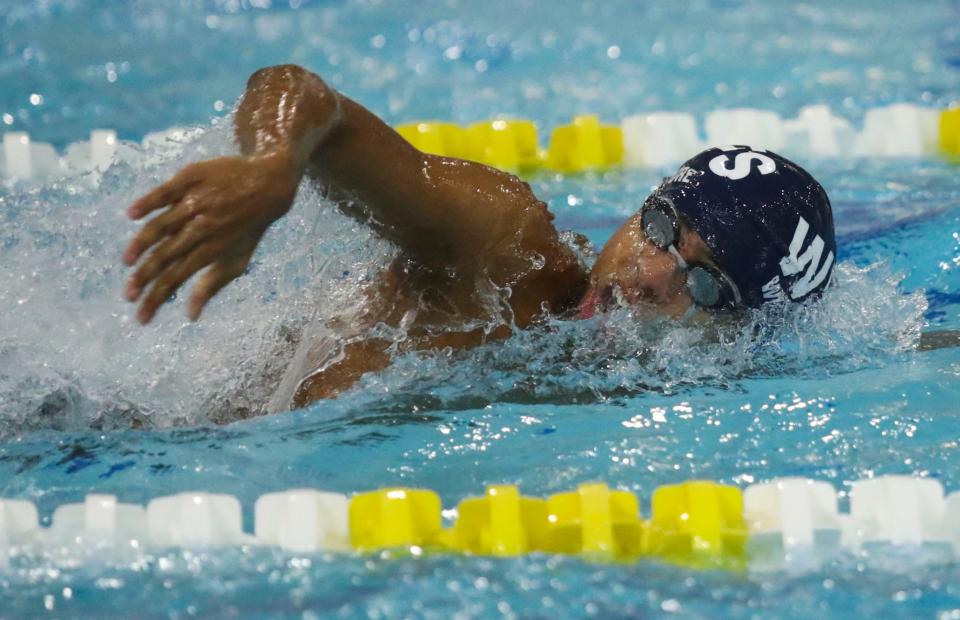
734, 228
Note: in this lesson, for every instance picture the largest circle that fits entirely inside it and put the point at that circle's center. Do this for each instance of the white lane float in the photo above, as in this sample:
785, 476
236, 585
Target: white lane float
303, 520
659, 139
898, 130
818, 132
18, 523
793, 522
17, 162
100, 518
896, 511
195, 519
98, 153
757, 128
951, 521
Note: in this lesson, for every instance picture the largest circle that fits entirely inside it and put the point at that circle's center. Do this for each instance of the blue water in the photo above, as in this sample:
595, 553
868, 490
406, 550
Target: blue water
91, 402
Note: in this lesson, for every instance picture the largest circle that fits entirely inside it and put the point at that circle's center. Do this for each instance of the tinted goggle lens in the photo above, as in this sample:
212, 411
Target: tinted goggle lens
705, 287
659, 226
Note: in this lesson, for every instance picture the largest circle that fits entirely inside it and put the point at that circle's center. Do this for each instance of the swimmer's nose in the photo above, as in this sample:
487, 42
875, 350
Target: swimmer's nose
657, 278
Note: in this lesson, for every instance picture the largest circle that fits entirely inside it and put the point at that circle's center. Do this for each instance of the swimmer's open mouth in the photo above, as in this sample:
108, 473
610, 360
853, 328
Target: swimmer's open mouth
594, 301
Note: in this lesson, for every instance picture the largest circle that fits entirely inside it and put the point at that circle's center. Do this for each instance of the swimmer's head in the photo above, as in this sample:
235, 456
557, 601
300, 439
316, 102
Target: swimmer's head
734, 228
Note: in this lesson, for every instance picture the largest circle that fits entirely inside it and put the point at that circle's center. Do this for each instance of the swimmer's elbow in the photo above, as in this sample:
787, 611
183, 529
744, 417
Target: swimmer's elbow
286, 74
266, 74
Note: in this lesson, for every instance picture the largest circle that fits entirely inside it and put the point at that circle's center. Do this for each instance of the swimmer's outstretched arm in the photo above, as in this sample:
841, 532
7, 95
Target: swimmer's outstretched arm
446, 213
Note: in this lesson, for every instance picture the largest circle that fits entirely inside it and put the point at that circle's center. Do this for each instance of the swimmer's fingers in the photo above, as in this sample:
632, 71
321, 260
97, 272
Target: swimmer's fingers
173, 277
156, 229
175, 246
165, 194
220, 274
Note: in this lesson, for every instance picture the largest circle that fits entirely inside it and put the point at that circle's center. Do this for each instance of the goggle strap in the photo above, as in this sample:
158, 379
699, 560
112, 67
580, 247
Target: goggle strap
733, 287
676, 253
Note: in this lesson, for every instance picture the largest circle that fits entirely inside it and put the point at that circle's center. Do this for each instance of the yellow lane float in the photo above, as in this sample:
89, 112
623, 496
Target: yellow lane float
595, 521
950, 132
502, 523
394, 517
697, 521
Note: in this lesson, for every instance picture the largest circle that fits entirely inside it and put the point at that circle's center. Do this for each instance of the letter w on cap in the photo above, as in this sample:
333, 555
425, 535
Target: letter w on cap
795, 262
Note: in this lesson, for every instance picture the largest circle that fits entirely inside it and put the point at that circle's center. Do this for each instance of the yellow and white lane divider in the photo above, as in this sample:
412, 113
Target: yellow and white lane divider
769, 526
649, 140
658, 139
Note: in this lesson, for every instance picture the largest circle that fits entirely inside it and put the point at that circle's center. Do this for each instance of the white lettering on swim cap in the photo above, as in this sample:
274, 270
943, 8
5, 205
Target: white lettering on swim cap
684, 174
742, 164
795, 262
772, 291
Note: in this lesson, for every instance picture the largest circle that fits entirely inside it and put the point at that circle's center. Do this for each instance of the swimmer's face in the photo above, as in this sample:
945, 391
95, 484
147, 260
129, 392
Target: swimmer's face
632, 270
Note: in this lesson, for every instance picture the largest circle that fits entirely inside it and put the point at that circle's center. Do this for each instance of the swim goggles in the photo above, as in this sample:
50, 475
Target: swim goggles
708, 286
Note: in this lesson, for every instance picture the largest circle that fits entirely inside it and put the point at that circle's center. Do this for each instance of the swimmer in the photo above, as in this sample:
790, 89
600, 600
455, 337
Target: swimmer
479, 256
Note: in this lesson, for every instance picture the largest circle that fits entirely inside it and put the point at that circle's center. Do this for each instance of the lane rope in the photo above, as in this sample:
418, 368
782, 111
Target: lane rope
696, 523
649, 140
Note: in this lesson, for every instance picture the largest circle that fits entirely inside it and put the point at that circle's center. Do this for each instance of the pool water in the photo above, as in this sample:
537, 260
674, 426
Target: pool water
89, 401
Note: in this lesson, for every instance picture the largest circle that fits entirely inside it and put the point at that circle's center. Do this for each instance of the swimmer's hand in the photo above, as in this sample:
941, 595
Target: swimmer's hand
213, 216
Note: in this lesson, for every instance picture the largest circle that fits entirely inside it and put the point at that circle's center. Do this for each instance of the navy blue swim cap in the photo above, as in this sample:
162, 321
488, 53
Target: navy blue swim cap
767, 222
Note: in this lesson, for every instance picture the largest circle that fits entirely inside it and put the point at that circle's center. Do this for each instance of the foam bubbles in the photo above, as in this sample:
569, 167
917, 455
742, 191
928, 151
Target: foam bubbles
863, 320
73, 354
